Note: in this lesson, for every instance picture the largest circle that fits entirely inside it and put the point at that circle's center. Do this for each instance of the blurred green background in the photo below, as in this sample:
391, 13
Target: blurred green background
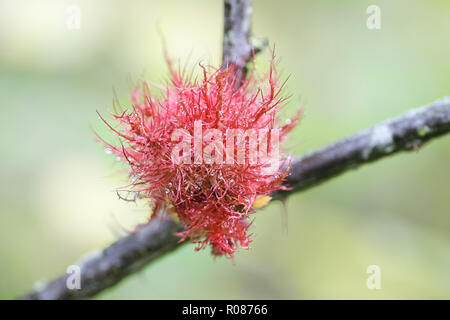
57, 184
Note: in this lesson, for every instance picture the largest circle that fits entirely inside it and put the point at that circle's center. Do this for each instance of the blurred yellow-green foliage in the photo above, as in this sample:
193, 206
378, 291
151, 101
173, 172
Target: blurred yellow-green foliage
57, 184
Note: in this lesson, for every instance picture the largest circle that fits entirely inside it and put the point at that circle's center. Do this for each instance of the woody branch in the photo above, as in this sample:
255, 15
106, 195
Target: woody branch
105, 268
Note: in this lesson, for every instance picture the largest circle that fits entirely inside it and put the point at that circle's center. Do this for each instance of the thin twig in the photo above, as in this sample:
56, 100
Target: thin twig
106, 268
237, 49
405, 133
103, 269
131, 253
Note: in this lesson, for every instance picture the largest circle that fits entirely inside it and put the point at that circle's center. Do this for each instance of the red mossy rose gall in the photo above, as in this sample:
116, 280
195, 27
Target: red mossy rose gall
214, 201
